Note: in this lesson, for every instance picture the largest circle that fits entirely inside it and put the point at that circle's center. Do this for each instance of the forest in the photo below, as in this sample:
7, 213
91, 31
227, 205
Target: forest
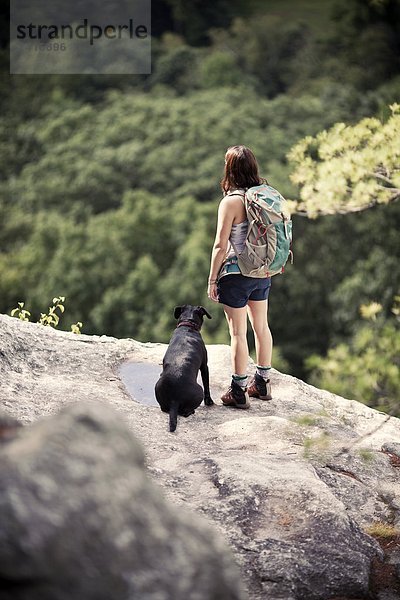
109, 184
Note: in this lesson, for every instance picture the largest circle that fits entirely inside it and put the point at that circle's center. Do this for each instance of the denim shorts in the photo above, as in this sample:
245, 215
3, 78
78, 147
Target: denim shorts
236, 290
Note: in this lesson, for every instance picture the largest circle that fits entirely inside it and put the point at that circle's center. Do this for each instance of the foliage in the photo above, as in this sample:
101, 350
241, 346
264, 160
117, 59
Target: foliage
340, 262
365, 39
348, 168
366, 455
109, 185
49, 319
52, 318
177, 68
368, 368
381, 530
97, 237
265, 48
306, 420
76, 327
194, 20
317, 447
81, 156
20, 312
220, 69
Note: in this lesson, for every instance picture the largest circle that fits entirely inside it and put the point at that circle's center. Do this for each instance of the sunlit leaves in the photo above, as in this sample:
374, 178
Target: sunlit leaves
370, 311
20, 312
368, 368
49, 319
348, 168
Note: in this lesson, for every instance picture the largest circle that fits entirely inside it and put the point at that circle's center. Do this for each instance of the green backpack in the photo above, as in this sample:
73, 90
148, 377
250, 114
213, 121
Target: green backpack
269, 234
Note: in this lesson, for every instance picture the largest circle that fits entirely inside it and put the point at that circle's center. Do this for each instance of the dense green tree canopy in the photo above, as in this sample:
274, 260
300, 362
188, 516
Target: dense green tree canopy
109, 185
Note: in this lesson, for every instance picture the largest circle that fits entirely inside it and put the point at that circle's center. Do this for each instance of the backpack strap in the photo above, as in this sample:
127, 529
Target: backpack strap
235, 193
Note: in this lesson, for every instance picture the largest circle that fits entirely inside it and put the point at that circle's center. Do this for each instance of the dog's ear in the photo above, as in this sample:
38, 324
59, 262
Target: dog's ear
204, 312
178, 311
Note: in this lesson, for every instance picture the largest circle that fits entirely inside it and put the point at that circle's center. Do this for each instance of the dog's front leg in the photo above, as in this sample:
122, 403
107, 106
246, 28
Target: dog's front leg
206, 384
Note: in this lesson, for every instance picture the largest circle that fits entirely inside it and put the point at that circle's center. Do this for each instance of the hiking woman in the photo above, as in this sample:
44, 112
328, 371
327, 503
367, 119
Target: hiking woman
241, 296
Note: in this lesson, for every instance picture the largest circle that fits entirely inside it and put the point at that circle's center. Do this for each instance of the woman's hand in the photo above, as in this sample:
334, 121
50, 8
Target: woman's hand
212, 292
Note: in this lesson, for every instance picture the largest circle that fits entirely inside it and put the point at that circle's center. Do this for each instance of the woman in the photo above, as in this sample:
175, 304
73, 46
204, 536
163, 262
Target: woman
240, 295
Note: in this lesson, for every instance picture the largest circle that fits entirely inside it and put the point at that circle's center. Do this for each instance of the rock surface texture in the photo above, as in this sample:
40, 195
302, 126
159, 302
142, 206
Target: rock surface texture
291, 484
81, 519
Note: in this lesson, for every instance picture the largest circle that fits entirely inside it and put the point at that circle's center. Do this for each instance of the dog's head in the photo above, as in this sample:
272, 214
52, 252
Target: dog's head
192, 314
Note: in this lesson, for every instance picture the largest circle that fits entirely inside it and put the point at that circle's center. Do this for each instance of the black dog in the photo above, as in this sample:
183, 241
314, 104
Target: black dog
177, 390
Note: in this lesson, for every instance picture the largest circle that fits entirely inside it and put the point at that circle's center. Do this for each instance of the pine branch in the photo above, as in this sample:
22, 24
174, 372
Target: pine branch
355, 209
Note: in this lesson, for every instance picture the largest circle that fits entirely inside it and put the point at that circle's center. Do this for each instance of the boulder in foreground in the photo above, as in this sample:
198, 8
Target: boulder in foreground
81, 519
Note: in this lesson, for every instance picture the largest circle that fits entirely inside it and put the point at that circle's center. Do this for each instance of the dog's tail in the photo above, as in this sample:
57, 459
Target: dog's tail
173, 416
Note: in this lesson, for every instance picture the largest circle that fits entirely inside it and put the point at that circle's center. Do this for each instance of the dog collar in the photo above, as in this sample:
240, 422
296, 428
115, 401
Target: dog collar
189, 324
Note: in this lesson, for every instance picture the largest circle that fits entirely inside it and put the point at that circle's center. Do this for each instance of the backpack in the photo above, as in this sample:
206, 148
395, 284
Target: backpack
269, 235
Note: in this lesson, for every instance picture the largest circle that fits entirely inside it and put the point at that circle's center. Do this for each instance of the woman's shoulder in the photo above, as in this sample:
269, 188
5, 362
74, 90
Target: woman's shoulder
233, 197
232, 206
232, 200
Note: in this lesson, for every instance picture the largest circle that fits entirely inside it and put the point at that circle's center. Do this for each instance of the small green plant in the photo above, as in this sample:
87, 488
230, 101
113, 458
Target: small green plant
52, 318
49, 319
305, 420
317, 447
323, 413
378, 529
20, 312
76, 328
366, 455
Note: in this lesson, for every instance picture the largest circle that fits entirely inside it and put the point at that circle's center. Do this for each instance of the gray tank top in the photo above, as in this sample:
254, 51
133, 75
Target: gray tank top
238, 235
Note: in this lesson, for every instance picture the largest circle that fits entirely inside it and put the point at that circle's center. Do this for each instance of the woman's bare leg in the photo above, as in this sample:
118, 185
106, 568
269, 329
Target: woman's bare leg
258, 314
237, 321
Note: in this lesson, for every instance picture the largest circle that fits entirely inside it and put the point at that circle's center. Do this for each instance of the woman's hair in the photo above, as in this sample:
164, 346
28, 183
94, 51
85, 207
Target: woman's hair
241, 169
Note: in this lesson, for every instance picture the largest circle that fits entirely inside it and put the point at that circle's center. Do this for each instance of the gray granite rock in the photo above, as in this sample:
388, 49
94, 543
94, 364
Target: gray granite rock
291, 484
81, 519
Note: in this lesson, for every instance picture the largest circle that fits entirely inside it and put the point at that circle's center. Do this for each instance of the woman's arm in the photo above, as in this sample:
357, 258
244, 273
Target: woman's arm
226, 216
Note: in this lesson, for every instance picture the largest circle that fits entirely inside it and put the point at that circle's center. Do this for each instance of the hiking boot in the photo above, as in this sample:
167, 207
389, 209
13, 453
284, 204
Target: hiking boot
259, 388
236, 397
